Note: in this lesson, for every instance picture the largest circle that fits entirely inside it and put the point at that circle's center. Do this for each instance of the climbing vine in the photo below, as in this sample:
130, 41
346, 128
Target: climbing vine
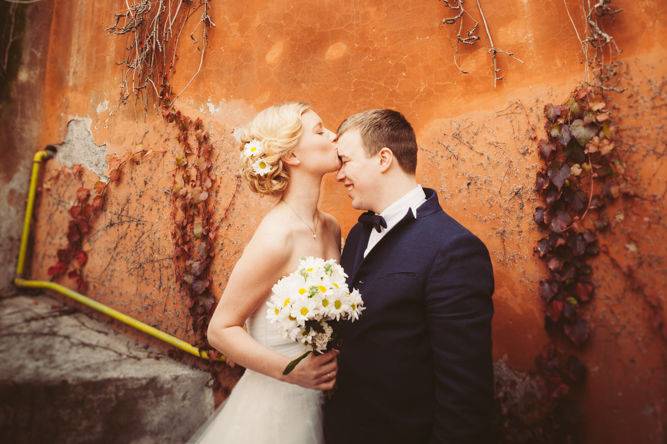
582, 174
71, 259
153, 30
192, 211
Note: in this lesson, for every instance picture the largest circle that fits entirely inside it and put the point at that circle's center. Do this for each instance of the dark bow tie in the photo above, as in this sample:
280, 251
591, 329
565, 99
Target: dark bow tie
373, 220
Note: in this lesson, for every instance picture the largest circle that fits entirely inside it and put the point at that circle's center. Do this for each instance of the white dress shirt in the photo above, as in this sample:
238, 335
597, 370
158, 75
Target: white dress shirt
395, 212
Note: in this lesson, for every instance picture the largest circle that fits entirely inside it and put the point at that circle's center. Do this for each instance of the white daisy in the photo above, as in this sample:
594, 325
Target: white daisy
261, 167
338, 307
356, 305
302, 310
253, 149
275, 312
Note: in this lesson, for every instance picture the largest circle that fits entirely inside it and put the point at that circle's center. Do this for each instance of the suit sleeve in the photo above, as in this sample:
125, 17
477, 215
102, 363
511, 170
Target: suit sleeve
459, 309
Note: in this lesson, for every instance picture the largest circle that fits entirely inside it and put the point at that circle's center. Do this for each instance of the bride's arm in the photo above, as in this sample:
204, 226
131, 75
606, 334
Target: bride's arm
264, 261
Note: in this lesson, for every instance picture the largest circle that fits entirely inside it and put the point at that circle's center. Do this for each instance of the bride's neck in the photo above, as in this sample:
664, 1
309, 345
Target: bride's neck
303, 195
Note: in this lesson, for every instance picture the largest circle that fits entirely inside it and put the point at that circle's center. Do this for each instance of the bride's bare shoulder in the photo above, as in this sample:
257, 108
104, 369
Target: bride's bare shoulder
272, 232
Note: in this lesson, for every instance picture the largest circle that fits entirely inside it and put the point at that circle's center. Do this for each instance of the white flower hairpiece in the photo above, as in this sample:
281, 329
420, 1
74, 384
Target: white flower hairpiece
261, 167
253, 149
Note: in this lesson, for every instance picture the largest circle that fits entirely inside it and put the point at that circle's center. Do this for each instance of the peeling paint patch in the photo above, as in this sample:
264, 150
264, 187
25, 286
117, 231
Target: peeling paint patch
211, 107
102, 106
79, 148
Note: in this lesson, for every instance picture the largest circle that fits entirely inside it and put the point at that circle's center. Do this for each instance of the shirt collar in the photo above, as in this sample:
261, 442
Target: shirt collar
410, 200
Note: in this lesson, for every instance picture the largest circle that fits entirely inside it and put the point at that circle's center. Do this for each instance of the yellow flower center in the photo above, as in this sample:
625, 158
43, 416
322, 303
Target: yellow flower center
338, 304
302, 291
286, 302
325, 302
276, 310
322, 289
262, 164
303, 311
336, 285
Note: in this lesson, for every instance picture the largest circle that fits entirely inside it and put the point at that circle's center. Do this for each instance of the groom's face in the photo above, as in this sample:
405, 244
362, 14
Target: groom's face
359, 171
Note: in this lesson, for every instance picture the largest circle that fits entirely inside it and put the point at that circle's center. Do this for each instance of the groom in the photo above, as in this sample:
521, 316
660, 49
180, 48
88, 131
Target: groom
416, 367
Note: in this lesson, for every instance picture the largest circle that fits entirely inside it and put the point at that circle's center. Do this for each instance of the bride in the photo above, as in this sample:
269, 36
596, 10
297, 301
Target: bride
286, 150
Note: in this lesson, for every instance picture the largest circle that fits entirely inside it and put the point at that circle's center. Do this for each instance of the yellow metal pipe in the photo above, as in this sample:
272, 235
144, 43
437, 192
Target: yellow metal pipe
32, 192
125, 319
19, 281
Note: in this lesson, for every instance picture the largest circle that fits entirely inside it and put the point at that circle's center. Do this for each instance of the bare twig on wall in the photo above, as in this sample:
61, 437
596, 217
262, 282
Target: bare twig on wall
155, 29
594, 36
470, 36
207, 22
493, 50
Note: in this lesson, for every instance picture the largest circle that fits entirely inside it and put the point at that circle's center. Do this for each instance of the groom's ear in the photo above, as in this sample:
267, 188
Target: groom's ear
290, 159
386, 157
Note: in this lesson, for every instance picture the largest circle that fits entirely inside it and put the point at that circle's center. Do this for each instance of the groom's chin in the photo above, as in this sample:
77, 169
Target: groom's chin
357, 205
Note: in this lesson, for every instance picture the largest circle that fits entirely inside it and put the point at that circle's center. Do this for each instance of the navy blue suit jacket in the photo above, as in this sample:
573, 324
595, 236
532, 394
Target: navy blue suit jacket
417, 366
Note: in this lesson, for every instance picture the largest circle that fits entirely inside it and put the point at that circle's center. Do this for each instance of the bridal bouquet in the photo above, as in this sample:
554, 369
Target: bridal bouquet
309, 302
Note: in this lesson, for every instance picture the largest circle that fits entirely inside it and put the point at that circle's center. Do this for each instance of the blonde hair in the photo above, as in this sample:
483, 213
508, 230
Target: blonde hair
278, 128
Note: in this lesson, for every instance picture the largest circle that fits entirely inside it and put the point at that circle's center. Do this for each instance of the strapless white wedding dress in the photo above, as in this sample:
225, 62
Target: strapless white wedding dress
261, 409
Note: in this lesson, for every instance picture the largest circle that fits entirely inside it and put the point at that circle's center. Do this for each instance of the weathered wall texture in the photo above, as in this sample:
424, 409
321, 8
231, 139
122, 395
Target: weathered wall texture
478, 149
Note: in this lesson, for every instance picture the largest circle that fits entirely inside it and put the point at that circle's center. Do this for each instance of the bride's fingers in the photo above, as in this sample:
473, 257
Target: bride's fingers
327, 377
326, 386
327, 369
326, 357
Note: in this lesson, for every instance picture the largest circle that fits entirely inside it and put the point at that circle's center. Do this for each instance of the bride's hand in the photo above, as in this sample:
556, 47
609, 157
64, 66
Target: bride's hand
316, 371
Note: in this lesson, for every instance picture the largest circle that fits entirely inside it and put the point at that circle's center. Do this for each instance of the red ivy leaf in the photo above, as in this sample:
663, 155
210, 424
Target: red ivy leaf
584, 291
64, 255
578, 332
554, 264
81, 257
555, 309
199, 286
75, 211
82, 194
560, 222
541, 181
57, 269
558, 176
73, 233
114, 175
98, 203
539, 216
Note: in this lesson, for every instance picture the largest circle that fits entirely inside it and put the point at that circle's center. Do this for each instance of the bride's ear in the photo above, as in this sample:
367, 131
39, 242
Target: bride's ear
290, 159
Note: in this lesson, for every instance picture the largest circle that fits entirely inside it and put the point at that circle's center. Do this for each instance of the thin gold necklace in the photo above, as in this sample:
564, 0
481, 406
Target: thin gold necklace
304, 222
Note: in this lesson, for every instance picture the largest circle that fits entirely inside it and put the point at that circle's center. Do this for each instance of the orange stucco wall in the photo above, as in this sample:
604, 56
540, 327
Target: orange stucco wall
477, 149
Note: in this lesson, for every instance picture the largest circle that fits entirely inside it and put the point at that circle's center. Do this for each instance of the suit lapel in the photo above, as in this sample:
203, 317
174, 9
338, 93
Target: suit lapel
358, 257
360, 260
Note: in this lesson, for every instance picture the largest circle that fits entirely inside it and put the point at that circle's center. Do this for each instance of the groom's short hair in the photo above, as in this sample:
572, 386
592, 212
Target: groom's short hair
385, 128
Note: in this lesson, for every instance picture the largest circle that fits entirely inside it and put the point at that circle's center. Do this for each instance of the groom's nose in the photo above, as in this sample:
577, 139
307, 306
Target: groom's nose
340, 175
